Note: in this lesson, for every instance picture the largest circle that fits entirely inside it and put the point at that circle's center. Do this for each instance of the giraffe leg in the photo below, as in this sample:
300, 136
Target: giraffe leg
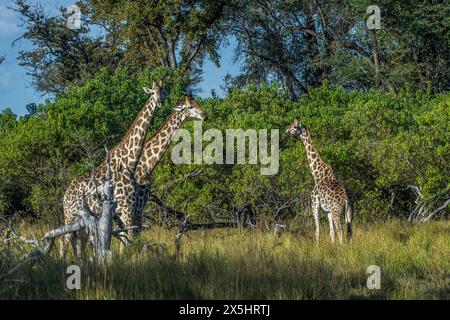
142, 196
129, 213
76, 244
139, 214
332, 235
63, 243
137, 224
82, 240
79, 244
348, 219
316, 212
78, 241
125, 215
337, 222
126, 236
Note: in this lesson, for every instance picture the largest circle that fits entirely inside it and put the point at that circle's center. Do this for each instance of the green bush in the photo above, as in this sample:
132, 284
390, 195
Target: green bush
370, 139
43, 151
377, 144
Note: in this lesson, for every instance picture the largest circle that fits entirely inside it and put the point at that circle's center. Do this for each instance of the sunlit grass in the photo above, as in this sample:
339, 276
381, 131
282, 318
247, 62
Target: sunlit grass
233, 264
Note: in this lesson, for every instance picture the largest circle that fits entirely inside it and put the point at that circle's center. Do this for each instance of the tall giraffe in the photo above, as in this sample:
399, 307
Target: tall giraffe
154, 150
328, 193
123, 160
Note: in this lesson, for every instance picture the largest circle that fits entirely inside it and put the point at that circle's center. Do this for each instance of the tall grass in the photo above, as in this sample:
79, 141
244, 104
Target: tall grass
233, 264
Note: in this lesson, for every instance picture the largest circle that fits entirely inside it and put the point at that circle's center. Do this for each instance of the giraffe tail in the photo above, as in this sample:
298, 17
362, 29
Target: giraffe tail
349, 218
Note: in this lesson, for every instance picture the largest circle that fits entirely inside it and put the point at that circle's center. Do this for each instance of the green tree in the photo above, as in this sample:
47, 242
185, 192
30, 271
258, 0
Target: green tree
173, 34
360, 134
303, 43
136, 34
61, 57
44, 150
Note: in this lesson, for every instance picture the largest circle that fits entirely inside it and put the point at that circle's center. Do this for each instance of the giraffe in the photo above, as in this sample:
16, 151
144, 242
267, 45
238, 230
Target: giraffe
123, 160
154, 149
328, 193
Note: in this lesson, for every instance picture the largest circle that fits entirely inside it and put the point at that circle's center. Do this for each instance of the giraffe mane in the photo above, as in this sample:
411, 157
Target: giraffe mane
158, 131
130, 129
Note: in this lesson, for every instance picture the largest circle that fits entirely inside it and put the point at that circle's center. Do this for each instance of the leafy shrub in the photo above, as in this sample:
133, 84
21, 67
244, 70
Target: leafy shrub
377, 143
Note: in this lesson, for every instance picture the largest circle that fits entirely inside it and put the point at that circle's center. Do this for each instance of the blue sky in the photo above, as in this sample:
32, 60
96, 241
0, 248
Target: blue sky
15, 88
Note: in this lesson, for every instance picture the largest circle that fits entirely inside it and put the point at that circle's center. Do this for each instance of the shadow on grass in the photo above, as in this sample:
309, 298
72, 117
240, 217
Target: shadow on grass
239, 265
197, 276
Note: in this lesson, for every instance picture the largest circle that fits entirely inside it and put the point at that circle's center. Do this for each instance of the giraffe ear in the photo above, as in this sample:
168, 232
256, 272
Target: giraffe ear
147, 90
296, 121
160, 83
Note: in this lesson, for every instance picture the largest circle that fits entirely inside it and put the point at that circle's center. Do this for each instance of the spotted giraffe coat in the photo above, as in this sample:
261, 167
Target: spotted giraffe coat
154, 150
328, 193
123, 161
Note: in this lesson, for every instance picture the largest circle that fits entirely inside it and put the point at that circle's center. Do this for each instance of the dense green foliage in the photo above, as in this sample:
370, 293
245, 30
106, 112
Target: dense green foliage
302, 43
377, 103
135, 34
42, 151
298, 43
377, 143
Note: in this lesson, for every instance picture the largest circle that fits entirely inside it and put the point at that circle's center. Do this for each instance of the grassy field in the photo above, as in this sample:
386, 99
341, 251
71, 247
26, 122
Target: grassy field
233, 264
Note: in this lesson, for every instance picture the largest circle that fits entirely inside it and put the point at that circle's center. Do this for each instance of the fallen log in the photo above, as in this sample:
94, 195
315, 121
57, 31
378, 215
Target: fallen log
213, 225
427, 209
99, 228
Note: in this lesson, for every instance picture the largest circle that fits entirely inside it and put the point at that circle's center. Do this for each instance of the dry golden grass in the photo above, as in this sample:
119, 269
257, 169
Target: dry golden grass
233, 264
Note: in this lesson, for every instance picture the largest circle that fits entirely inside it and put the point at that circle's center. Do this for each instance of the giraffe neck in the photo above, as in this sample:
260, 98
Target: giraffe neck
320, 170
133, 142
157, 145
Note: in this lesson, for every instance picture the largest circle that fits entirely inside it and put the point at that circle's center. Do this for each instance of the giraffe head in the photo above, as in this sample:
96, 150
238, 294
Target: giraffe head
296, 129
190, 109
155, 92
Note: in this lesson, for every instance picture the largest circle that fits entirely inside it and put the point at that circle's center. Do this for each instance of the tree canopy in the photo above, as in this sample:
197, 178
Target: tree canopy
300, 43
376, 100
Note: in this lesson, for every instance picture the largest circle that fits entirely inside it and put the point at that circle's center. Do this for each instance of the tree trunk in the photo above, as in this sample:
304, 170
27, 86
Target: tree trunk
375, 57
